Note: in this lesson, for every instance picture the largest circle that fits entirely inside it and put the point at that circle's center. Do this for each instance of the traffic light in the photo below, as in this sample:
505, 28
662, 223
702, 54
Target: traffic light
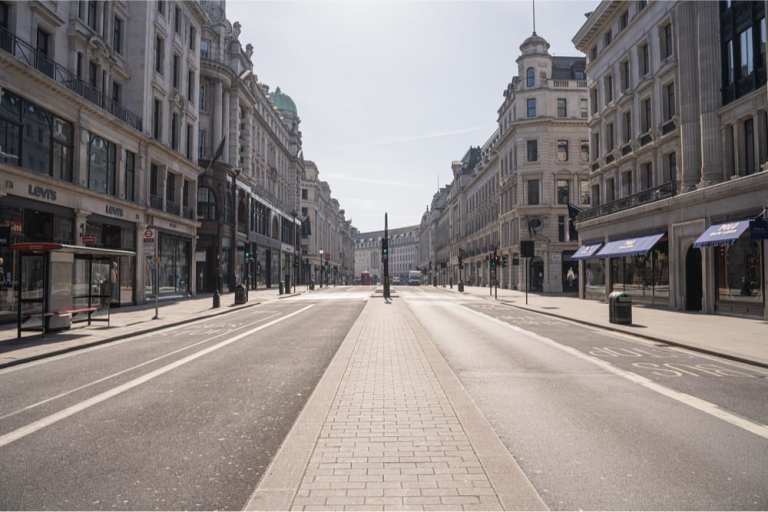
384, 250
504, 261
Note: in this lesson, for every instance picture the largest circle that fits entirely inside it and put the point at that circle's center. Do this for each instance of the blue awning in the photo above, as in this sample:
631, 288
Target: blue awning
630, 246
722, 234
586, 251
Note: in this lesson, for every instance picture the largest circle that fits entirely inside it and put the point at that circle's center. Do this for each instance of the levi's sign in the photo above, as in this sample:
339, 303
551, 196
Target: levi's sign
114, 210
42, 192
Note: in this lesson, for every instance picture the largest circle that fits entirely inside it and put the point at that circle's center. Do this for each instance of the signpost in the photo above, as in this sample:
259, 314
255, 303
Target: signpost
149, 236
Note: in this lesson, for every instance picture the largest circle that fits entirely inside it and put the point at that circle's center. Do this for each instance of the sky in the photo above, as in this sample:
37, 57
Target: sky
390, 93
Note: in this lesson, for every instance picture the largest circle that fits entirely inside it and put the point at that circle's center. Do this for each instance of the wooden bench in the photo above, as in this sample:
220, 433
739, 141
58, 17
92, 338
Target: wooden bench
72, 311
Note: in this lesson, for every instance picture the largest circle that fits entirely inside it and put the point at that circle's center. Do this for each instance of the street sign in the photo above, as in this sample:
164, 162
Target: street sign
149, 235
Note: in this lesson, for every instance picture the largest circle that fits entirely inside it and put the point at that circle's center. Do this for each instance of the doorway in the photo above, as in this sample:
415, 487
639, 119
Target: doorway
536, 278
693, 287
570, 273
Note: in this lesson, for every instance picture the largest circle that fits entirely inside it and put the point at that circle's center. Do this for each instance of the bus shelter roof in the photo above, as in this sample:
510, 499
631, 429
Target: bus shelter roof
74, 249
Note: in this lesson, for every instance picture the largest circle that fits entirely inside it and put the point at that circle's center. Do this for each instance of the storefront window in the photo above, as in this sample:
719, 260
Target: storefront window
101, 165
738, 271
643, 275
594, 271
174, 265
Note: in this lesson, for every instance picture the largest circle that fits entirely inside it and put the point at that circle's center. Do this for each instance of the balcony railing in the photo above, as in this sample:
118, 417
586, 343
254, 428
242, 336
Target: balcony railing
188, 213
173, 207
29, 55
156, 202
650, 195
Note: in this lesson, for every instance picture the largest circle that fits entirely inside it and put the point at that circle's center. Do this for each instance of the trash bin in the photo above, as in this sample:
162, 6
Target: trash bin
311, 285
287, 285
620, 308
280, 288
241, 294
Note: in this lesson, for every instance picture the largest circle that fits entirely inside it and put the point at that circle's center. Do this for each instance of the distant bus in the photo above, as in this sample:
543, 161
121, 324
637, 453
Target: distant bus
365, 279
414, 277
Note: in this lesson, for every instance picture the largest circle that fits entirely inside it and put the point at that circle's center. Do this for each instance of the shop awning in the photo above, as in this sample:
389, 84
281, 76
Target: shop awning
630, 246
722, 234
586, 251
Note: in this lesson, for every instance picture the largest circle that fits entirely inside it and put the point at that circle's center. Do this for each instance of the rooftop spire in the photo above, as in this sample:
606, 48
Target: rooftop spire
533, 3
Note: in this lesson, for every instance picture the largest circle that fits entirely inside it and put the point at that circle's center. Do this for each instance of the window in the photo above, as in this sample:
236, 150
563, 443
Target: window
117, 35
191, 86
563, 191
117, 93
596, 145
154, 180
533, 150
562, 150
671, 167
584, 192
608, 88
763, 42
641, 5
646, 176
176, 66
627, 129
161, 6
157, 119
609, 140
593, 53
749, 146
130, 176
643, 54
93, 74
584, 107
530, 77
304, 194
610, 190
596, 194
607, 38
669, 101
531, 104
624, 20
92, 14
159, 54
562, 233
665, 36
745, 50
562, 107
205, 48
192, 37
585, 151
593, 99
645, 115
626, 184
202, 136
177, 19
624, 75
533, 192
174, 131
79, 66
170, 188
188, 141
102, 172
203, 96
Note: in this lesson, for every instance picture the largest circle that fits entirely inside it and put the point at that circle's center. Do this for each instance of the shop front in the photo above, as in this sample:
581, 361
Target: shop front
109, 233
739, 262
170, 272
639, 267
26, 220
592, 271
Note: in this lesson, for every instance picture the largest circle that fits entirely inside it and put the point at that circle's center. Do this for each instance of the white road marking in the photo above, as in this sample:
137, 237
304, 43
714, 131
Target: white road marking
684, 398
26, 430
117, 374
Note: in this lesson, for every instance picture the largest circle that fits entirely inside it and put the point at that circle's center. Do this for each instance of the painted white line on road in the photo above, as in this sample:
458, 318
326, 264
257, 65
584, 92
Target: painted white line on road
19, 433
121, 372
689, 400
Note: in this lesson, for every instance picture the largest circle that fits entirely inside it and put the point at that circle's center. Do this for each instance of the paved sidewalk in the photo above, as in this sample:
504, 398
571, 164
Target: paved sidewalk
124, 322
737, 338
389, 427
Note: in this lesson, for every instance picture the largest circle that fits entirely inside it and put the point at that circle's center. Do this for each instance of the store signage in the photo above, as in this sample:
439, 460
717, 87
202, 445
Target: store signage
114, 210
88, 239
758, 229
149, 235
42, 192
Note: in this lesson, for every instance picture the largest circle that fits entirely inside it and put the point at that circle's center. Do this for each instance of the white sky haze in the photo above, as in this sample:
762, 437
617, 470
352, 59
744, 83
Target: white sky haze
389, 93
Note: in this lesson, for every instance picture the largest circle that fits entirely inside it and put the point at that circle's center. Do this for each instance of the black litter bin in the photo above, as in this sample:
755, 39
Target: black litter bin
241, 294
620, 308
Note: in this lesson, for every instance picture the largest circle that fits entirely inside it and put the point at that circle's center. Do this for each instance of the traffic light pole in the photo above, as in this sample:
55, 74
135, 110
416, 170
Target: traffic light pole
385, 257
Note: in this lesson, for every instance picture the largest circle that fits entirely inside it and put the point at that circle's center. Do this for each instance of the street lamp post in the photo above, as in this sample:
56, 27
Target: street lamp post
294, 267
321, 267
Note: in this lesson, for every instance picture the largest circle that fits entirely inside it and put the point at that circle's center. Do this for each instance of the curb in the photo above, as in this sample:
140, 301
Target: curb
693, 348
119, 337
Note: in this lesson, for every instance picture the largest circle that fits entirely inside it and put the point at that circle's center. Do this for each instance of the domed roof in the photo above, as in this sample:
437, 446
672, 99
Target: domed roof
283, 102
534, 39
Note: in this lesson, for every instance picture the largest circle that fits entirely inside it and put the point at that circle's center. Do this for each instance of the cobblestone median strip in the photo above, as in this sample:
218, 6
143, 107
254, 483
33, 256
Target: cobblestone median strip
381, 431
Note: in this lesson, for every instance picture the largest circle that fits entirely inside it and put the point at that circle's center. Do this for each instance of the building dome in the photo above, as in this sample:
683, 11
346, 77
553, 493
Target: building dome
282, 102
534, 40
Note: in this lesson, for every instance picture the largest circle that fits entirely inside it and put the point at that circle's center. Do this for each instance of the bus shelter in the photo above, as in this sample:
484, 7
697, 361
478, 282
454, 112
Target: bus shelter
60, 284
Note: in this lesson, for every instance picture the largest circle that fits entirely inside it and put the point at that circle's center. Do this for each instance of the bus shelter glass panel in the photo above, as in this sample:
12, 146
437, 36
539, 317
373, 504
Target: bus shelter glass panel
32, 289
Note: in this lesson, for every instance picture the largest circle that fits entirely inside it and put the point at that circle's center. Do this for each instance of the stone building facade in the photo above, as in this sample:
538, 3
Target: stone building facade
678, 135
403, 253
79, 167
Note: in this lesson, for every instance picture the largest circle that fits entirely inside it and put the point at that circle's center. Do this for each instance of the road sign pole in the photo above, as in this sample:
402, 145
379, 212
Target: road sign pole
157, 278
527, 261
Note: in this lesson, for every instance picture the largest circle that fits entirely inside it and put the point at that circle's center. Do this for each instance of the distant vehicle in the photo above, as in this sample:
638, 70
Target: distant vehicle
365, 279
414, 277
395, 279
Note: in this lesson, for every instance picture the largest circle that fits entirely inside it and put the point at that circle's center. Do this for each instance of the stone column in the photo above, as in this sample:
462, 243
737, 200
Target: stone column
688, 57
233, 128
709, 91
218, 116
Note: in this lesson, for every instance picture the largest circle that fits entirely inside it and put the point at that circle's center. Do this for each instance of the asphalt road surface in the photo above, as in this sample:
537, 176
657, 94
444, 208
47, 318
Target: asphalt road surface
599, 420
185, 418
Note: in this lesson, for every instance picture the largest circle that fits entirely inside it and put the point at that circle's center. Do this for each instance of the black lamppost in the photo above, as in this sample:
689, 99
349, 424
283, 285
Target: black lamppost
295, 269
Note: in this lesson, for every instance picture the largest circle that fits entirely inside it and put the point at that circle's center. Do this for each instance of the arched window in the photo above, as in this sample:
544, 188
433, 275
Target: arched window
530, 77
275, 229
206, 204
